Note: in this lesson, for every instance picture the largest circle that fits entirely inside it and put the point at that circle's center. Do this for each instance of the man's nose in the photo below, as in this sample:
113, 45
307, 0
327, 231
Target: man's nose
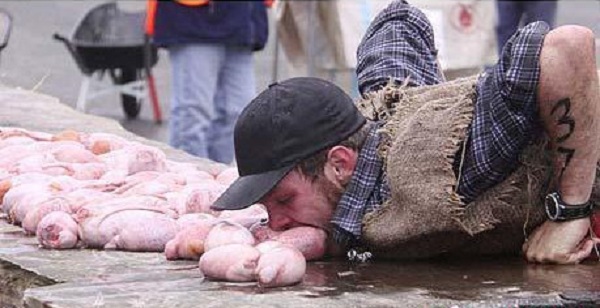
279, 222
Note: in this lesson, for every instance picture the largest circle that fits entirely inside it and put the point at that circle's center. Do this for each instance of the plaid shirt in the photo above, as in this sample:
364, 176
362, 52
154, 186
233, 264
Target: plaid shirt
366, 191
506, 116
399, 45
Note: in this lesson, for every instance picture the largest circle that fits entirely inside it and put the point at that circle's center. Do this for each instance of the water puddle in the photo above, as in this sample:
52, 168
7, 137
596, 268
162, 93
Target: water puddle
475, 279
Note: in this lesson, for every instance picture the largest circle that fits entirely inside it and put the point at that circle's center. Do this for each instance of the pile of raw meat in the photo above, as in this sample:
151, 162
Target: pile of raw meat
98, 190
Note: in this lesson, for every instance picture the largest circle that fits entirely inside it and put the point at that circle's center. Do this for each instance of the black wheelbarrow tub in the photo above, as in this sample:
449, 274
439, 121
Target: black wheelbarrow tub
108, 38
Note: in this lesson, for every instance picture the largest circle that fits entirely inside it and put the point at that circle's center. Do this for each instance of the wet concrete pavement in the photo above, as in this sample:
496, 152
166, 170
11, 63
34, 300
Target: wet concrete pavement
93, 278
86, 278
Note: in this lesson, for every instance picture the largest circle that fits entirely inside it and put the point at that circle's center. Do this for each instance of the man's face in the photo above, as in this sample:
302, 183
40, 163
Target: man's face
296, 201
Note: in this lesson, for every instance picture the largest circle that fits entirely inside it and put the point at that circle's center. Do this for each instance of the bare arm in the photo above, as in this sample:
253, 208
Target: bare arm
569, 104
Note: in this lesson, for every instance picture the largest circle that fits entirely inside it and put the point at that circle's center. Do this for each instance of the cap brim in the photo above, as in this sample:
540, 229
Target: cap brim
247, 190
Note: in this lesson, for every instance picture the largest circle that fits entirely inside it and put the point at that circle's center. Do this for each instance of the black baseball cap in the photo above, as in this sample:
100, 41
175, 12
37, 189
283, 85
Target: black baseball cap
286, 123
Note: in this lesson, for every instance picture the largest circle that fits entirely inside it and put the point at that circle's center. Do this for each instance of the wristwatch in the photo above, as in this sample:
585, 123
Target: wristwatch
558, 210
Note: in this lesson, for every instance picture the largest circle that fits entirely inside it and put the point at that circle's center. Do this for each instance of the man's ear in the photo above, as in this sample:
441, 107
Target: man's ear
340, 164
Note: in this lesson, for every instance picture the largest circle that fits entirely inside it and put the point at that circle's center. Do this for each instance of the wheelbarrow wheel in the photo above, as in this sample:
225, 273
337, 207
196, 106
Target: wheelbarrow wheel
131, 105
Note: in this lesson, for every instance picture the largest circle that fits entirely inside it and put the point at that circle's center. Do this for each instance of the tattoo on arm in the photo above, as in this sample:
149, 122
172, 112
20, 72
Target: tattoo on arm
568, 154
564, 119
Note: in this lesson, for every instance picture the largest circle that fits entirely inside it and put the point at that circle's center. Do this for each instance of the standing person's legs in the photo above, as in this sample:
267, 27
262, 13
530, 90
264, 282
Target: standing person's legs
236, 88
195, 70
509, 15
540, 11
569, 104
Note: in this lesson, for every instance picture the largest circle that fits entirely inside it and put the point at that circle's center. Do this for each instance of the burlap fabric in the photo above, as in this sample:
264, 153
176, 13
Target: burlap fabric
424, 217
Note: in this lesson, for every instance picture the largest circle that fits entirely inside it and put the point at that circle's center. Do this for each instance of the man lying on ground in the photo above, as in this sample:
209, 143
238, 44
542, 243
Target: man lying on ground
430, 171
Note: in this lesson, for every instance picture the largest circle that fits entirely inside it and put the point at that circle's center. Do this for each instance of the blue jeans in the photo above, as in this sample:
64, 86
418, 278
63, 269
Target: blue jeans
510, 14
211, 84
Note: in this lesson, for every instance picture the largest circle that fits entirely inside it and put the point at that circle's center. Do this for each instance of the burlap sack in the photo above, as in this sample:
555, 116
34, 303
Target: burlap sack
424, 216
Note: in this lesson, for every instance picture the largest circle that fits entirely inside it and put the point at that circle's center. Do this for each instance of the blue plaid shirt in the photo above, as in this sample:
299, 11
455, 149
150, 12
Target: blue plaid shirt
365, 192
399, 44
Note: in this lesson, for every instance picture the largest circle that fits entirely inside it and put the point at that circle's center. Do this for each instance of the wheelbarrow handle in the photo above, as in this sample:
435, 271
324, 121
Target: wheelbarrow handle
61, 38
73, 53
9, 20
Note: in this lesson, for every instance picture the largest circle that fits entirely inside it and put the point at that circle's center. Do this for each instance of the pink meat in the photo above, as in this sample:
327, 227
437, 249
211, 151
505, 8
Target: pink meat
262, 232
83, 196
225, 233
27, 204
312, 242
5, 186
126, 181
233, 262
73, 153
78, 171
101, 185
143, 230
47, 165
19, 200
34, 216
101, 143
148, 234
198, 197
67, 135
33, 163
9, 132
279, 265
197, 177
190, 171
192, 219
110, 205
152, 188
114, 176
135, 158
189, 242
227, 176
57, 230
23, 159
247, 217
87, 171
17, 180
67, 202
212, 169
10, 155
15, 140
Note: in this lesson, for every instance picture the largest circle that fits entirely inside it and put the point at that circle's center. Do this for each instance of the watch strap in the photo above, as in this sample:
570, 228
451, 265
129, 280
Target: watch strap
569, 211
575, 212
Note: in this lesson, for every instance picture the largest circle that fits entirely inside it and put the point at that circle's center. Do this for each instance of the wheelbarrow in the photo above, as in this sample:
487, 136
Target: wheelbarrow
109, 41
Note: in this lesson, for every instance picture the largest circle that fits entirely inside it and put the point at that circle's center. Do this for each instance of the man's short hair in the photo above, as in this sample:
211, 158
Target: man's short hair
313, 166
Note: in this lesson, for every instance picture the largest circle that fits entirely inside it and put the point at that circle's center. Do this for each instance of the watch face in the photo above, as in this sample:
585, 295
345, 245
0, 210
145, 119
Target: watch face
552, 207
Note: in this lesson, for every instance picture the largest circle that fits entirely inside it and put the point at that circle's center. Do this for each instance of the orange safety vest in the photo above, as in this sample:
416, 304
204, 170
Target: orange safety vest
151, 10
192, 2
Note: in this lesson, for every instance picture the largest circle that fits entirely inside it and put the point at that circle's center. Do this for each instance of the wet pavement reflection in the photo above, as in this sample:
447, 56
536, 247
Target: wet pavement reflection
470, 279
473, 279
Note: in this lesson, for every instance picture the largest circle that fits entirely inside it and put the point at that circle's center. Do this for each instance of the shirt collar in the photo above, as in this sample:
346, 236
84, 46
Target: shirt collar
366, 190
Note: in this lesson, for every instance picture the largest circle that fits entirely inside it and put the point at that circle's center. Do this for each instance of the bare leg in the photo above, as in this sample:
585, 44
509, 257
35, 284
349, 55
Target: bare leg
569, 102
